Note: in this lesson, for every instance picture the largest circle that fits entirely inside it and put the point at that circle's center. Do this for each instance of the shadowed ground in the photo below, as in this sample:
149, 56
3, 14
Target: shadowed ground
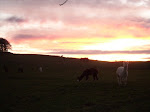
56, 88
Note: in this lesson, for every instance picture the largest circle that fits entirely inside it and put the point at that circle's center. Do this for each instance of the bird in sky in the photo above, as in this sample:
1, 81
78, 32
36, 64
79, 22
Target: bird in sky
63, 3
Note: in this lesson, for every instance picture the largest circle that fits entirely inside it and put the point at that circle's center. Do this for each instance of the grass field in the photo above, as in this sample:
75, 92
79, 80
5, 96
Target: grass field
56, 88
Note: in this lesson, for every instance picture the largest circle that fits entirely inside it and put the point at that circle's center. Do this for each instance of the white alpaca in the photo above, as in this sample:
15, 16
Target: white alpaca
40, 69
122, 74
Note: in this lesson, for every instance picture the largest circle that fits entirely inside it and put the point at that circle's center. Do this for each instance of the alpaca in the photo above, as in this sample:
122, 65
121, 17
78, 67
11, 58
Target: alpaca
122, 74
5, 68
20, 69
40, 69
87, 72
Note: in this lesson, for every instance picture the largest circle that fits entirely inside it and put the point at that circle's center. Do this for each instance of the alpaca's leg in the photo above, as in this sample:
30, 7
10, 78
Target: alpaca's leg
125, 81
96, 77
80, 77
93, 77
119, 80
87, 77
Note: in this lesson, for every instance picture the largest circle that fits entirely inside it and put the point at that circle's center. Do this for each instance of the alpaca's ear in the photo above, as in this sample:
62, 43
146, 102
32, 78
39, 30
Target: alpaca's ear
124, 63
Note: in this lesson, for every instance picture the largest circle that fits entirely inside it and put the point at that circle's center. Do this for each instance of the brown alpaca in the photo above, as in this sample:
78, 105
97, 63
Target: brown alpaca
87, 72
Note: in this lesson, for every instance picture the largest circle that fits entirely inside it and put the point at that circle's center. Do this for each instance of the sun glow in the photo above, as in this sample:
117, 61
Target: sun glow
25, 49
112, 48
120, 57
125, 44
118, 44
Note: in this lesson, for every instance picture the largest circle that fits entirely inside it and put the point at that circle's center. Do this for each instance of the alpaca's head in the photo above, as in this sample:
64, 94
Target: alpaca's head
125, 64
78, 79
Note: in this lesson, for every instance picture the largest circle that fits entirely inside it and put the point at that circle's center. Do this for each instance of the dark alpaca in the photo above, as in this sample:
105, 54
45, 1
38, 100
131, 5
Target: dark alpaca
87, 72
5, 68
20, 69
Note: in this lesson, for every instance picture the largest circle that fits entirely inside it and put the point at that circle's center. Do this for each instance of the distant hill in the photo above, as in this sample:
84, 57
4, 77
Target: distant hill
57, 62
5, 53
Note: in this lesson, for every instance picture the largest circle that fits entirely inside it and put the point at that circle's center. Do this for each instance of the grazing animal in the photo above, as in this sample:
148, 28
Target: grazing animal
122, 74
84, 59
5, 68
40, 69
87, 72
20, 69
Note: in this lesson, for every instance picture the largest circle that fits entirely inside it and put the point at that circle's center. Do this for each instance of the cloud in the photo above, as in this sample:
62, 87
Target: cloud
98, 52
148, 58
79, 43
143, 22
15, 19
74, 12
29, 35
22, 37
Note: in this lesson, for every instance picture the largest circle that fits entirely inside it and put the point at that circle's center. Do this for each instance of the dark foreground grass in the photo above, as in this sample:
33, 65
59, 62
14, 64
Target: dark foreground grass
60, 92
56, 89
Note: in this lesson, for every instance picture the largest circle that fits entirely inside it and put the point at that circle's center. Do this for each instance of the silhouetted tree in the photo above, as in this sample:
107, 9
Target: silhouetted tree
4, 45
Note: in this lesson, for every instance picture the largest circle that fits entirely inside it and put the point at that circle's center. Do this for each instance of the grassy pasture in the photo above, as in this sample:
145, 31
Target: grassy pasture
56, 89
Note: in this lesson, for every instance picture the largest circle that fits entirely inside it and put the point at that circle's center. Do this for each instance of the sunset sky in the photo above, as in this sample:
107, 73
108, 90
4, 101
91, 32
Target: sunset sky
109, 30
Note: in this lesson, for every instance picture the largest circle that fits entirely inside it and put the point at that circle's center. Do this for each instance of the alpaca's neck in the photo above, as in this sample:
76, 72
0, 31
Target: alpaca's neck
125, 69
